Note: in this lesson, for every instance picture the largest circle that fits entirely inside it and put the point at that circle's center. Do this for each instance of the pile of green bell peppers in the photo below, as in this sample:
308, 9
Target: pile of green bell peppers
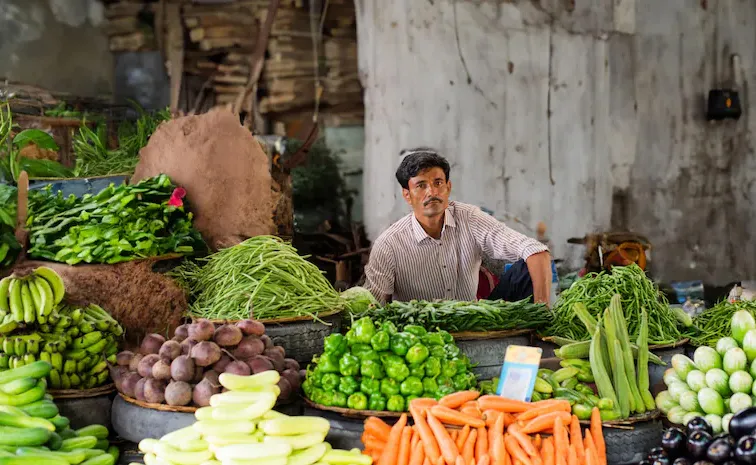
377, 367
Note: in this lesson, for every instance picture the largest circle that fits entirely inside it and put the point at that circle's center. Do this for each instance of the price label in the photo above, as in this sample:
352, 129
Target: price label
519, 372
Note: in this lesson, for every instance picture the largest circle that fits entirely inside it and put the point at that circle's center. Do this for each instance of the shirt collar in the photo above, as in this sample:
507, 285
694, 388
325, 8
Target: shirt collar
419, 232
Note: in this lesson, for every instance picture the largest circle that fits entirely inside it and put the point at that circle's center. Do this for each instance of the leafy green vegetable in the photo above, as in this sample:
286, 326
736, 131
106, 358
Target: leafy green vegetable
358, 299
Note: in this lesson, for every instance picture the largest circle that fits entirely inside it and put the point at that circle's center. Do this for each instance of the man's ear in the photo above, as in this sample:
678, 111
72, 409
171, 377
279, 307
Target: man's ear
406, 195
449, 186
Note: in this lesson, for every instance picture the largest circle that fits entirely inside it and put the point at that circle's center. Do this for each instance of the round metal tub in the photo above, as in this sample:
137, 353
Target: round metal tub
302, 338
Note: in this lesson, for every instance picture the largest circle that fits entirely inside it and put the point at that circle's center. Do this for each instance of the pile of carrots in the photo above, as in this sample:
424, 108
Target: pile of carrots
465, 429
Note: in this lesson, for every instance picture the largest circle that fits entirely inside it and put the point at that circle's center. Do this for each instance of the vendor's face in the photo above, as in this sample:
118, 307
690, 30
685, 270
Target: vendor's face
428, 192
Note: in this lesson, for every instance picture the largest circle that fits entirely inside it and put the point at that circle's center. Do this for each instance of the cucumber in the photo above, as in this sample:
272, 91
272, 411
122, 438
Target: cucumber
37, 370
82, 442
31, 460
114, 452
19, 437
102, 444
41, 409
18, 386
90, 453
55, 441
98, 431
23, 421
73, 457
104, 459
32, 395
67, 433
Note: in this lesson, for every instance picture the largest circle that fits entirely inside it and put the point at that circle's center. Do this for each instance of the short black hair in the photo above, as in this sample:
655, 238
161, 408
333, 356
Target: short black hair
416, 161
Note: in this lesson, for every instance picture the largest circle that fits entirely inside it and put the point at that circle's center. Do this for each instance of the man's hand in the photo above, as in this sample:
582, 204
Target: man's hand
539, 267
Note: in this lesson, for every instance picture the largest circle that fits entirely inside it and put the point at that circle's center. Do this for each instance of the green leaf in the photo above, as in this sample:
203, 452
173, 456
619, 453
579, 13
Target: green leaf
40, 138
44, 168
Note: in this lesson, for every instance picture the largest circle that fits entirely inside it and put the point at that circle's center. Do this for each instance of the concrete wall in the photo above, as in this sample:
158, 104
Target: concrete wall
56, 44
585, 119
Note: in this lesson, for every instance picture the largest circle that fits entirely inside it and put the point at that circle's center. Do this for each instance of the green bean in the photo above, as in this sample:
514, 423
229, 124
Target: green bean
714, 323
262, 277
595, 290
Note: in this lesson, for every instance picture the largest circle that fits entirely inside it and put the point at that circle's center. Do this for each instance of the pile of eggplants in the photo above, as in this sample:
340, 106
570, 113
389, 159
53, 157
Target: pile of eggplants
697, 445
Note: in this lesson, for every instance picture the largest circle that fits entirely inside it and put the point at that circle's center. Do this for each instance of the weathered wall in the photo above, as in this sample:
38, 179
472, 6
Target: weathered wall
585, 119
55, 44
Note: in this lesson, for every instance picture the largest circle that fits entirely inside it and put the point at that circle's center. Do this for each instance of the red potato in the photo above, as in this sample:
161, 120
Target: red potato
201, 330
285, 387
202, 393
154, 391
162, 370
267, 341
251, 327
145, 365
212, 376
249, 347
258, 364
206, 353
227, 336
238, 368
170, 350
221, 364
291, 364
139, 389
178, 393
182, 369
292, 376
277, 360
181, 333
129, 385
134, 363
187, 345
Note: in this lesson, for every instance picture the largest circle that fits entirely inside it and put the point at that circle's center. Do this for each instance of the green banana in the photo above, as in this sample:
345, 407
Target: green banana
54, 280
4, 295
45, 357
86, 327
87, 340
103, 365
30, 312
64, 322
76, 355
4, 361
65, 381
36, 297
19, 346
54, 379
8, 346
46, 293
75, 380
16, 305
81, 365
29, 359
97, 347
69, 367
8, 324
56, 360
102, 377
77, 316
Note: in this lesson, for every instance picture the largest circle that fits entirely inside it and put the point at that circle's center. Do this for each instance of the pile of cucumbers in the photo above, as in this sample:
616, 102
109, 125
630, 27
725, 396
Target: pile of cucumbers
32, 430
29, 299
570, 383
35, 324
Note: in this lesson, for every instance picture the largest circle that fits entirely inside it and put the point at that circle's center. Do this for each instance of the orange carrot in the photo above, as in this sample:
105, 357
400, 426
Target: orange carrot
572, 456
462, 437
459, 461
468, 449
591, 456
484, 460
418, 456
576, 439
547, 451
472, 412
415, 439
470, 403
493, 433
391, 453
502, 404
542, 423
376, 427
561, 443
457, 399
376, 454
538, 441
513, 446
371, 442
453, 417
404, 446
500, 451
454, 434
426, 461
481, 445
423, 403
448, 449
430, 446
598, 436
440, 461
560, 406
524, 440
490, 416
507, 458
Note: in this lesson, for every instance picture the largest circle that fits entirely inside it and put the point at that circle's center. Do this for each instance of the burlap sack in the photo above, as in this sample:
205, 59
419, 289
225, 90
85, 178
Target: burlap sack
224, 170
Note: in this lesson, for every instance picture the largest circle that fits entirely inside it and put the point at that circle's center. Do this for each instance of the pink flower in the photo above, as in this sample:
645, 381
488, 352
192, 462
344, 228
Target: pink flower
178, 194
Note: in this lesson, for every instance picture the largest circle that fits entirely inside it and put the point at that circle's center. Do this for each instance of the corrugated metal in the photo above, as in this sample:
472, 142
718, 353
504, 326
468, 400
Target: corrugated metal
547, 120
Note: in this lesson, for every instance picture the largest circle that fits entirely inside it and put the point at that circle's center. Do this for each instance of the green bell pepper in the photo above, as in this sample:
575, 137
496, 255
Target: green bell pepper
396, 369
444, 391
462, 381
438, 352
316, 376
377, 402
446, 336
432, 339
389, 327
381, 341
316, 395
430, 386
363, 331
445, 381
339, 399
358, 401
328, 363
360, 350
417, 371
395, 403
370, 387
348, 385
449, 368
432, 367
411, 387
400, 344
335, 344
330, 381
417, 354
417, 330
308, 386
389, 387
452, 351
372, 369
349, 365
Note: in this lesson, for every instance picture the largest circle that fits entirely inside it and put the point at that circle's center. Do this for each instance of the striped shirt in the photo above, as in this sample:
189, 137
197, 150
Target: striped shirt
406, 263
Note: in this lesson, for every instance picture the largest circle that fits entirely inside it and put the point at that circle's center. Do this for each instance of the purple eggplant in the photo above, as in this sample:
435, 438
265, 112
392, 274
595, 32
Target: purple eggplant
743, 423
674, 442
719, 451
745, 450
698, 443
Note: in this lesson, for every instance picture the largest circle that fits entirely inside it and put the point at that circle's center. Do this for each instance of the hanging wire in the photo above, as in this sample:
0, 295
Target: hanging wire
316, 29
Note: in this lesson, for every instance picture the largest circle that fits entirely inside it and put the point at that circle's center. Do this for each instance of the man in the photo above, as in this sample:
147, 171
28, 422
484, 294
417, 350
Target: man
435, 252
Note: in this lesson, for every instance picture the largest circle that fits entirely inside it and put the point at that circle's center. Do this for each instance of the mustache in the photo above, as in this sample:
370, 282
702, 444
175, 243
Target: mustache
431, 200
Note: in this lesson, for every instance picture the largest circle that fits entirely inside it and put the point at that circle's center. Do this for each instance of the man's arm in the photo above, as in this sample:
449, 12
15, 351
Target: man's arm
379, 271
501, 242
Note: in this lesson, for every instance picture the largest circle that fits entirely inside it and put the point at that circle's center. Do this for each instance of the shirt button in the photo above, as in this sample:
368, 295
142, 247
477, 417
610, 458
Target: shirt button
444, 266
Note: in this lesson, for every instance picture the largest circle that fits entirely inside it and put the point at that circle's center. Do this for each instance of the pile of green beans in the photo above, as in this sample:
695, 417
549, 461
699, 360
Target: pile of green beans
595, 291
457, 316
714, 323
261, 278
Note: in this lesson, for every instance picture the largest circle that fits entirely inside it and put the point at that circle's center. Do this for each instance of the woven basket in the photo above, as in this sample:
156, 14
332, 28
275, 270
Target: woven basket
82, 393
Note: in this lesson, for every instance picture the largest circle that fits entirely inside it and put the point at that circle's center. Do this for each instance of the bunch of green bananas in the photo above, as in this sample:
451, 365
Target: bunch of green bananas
29, 299
78, 345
